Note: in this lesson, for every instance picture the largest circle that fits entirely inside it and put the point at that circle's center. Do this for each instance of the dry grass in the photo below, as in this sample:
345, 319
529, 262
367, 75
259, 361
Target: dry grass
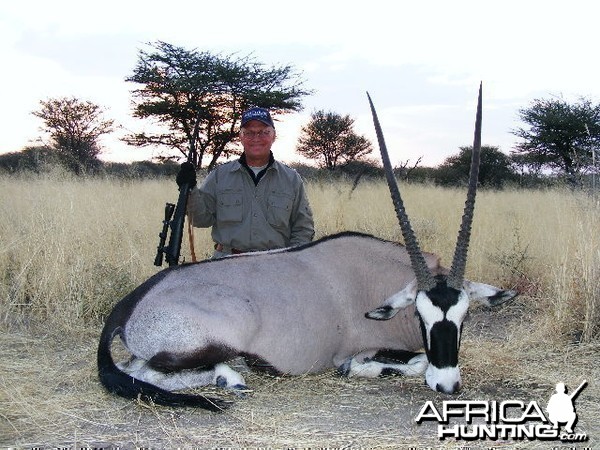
71, 248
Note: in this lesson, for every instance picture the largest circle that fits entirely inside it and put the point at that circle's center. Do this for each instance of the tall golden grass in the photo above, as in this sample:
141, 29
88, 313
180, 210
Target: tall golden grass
72, 247
544, 243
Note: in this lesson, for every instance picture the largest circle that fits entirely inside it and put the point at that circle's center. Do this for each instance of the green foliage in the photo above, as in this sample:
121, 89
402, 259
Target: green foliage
560, 136
30, 159
198, 97
422, 175
74, 127
494, 169
354, 171
330, 139
140, 169
47, 160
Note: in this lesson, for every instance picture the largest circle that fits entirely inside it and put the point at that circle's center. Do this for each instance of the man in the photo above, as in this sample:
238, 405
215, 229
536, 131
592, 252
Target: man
561, 407
254, 203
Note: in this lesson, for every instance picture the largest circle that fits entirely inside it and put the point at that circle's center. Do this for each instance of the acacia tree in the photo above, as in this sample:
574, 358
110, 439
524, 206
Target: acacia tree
560, 136
494, 168
74, 127
198, 97
330, 138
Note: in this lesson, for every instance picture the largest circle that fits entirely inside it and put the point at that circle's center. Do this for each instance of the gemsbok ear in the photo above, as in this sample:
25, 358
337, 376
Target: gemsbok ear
395, 303
486, 294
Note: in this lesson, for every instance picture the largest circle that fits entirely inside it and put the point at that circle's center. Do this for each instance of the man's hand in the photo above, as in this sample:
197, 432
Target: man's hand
186, 175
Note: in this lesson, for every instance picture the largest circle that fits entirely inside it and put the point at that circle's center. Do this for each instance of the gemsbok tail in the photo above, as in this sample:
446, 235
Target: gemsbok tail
120, 383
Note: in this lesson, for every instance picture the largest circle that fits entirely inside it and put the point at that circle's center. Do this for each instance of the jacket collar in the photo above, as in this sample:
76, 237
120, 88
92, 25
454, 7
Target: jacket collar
256, 177
243, 162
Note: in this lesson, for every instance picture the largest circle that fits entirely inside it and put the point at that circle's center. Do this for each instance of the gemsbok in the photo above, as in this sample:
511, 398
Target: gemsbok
299, 310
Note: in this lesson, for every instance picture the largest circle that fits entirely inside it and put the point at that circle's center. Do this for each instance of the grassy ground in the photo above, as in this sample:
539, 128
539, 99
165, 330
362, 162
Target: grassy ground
72, 248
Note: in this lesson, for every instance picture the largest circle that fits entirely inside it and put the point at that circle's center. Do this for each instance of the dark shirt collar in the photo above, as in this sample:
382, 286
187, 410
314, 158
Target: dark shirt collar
243, 162
256, 178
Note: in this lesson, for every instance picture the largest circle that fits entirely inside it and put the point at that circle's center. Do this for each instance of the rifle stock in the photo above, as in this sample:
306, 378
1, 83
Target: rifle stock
172, 251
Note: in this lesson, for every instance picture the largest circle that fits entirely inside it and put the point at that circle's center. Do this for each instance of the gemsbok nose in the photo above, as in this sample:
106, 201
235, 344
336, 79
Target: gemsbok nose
444, 390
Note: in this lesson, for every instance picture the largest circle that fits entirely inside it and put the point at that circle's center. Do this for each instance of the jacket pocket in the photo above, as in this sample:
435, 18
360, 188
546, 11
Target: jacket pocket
229, 206
279, 210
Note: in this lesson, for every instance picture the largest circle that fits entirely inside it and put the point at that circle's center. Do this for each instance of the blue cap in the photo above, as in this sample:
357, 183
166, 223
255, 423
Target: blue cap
260, 114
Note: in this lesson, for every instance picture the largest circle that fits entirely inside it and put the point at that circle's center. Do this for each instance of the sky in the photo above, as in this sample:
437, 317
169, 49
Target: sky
421, 62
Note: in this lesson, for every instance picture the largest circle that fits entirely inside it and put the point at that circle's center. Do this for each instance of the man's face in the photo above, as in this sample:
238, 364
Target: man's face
257, 139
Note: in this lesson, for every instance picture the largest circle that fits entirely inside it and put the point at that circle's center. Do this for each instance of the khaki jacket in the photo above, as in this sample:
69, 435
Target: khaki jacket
273, 213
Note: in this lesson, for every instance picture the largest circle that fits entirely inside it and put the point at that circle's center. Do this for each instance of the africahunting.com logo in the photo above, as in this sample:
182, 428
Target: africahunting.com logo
507, 420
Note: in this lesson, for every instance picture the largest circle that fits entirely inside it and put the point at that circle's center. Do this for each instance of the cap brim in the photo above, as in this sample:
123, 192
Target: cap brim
265, 121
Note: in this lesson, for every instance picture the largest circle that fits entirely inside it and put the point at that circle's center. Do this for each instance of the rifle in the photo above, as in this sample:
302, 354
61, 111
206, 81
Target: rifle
578, 390
174, 219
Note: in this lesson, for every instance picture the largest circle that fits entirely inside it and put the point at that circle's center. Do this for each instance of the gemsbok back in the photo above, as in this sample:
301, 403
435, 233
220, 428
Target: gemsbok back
299, 310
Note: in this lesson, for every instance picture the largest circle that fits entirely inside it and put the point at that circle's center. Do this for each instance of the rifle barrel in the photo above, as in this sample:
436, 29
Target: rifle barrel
169, 209
174, 248
578, 390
